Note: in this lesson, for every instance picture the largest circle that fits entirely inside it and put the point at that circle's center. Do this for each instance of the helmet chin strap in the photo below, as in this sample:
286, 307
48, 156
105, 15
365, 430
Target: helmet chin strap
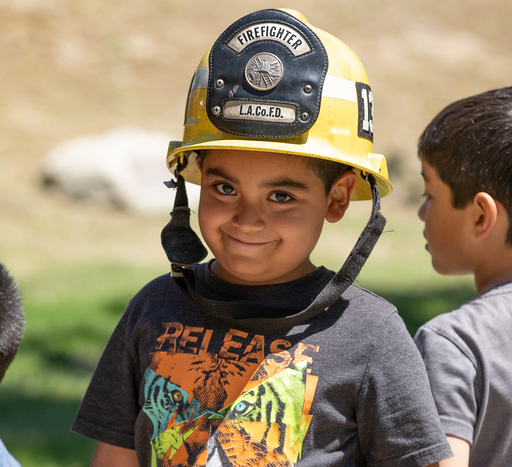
181, 244
256, 318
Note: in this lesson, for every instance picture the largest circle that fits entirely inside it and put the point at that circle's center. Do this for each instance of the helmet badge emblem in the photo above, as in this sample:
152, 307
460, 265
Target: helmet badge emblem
264, 71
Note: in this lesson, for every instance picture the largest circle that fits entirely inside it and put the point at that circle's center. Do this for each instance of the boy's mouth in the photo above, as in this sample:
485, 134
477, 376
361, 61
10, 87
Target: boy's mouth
247, 242
426, 239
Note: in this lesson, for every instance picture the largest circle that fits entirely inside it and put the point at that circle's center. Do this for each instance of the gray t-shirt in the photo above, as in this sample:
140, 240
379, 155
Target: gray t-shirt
346, 387
468, 355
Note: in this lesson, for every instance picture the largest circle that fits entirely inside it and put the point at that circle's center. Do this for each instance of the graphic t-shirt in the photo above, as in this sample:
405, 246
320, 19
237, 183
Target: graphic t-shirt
346, 387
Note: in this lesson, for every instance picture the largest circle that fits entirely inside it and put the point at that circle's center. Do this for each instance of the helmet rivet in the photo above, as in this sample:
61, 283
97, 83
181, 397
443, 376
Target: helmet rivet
216, 110
304, 116
219, 83
308, 89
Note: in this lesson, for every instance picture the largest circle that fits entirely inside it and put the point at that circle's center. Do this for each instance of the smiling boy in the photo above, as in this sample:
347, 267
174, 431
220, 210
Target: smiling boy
466, 160
258, 357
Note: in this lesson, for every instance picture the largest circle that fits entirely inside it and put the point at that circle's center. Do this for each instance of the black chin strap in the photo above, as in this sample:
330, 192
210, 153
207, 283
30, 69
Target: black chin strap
255, 318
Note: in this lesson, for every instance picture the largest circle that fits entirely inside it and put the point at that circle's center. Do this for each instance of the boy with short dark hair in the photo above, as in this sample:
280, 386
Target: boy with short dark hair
466, 157
12, 328
258, 357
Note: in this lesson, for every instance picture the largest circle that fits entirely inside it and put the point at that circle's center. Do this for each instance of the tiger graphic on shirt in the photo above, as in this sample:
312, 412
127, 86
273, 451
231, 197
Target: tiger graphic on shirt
238, 401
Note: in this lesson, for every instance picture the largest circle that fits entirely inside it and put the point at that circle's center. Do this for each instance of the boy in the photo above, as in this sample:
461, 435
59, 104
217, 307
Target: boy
12, 328
258, 357
466, 157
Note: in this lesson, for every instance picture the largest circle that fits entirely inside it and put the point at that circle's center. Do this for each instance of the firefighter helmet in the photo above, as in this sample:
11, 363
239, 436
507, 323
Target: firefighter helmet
272, 82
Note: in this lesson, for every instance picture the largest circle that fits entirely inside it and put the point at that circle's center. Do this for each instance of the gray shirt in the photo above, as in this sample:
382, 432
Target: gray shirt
468, 356
346, 388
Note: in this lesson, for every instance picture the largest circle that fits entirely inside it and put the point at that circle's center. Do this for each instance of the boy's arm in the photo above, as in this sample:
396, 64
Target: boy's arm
460, 448
108, 455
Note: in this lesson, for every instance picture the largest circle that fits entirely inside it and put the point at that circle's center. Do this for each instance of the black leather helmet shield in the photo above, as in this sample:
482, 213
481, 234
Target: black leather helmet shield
266, 76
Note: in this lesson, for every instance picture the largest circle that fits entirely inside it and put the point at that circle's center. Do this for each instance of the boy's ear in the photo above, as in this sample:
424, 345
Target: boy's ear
485, 214
339, 196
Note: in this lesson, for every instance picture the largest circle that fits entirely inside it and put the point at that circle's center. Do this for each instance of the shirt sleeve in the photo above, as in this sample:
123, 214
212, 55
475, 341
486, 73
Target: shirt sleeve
452, 375
398, 423
110, 406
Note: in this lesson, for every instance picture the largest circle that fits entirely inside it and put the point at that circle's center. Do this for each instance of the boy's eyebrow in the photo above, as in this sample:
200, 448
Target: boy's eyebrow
219, 173
286, 183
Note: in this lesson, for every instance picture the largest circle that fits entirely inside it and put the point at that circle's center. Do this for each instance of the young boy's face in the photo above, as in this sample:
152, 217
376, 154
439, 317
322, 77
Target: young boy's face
446, 228
262, 213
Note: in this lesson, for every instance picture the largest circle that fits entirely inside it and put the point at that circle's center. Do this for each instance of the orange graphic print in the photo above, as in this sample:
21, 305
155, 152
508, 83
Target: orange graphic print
243, 403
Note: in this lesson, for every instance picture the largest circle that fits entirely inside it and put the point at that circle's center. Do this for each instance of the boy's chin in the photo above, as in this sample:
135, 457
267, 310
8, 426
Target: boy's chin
439, 268
445, 270
245, 276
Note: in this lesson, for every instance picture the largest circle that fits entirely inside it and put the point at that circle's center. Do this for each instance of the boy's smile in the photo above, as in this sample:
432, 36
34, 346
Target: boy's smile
262, 213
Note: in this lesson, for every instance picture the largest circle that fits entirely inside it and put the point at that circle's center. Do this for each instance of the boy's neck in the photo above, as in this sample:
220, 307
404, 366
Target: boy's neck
495, 270
306, 268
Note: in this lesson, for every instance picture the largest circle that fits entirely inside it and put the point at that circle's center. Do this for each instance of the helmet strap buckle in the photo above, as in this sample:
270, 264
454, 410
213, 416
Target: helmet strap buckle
180, 243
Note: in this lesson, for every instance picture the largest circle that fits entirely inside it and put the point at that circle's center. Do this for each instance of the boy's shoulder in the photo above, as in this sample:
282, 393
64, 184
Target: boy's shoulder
493, 302
488, 315
367, 313
368, 301
154, 293
158, 284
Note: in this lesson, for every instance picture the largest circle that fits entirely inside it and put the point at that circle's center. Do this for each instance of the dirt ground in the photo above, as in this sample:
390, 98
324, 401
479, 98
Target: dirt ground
74, 68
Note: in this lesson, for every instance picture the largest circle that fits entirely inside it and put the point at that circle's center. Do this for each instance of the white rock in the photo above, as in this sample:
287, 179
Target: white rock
124, 167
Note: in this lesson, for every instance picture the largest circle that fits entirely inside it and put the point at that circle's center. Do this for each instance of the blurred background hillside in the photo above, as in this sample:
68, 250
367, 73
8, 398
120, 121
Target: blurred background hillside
72, 68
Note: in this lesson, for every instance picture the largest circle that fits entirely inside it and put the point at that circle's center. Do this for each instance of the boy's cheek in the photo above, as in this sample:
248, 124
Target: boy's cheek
211, 212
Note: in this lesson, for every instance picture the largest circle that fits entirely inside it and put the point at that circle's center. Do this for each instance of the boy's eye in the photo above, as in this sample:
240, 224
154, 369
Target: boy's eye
225, 189
280, 197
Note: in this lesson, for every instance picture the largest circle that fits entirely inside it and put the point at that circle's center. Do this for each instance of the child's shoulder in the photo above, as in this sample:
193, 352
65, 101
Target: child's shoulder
487, 314
368, 308
361, 297
156, 284
493, 301
157, 289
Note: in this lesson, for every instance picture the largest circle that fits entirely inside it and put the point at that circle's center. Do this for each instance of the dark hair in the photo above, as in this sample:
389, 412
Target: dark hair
12, 320
328, 171
469, 143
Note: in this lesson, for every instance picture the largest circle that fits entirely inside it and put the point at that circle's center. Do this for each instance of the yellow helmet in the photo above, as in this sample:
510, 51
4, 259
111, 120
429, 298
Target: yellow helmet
272, 82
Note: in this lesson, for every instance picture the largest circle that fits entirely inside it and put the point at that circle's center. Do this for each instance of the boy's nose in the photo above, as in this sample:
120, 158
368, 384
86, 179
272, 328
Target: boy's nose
248, 216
